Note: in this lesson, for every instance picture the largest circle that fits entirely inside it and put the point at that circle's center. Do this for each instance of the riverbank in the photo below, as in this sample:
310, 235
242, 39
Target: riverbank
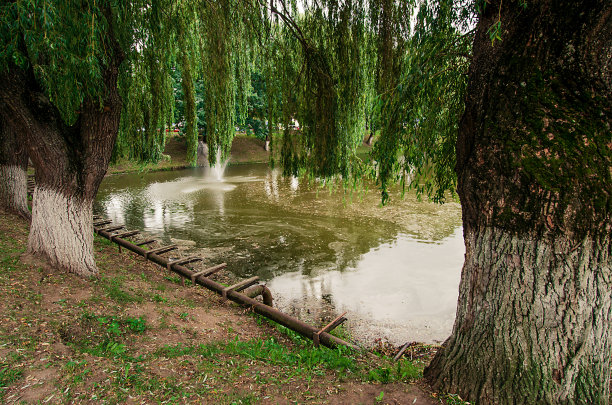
135, 335
245, 149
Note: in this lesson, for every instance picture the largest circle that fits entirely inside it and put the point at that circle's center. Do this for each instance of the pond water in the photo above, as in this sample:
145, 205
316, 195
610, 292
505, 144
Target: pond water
395, 269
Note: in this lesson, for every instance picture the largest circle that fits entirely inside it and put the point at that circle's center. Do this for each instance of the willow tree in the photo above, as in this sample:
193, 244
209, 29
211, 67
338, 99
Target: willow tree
323, 80
201, 40
534, 154
59, 66
422, 70
391, 33
533, 158
187, 57
230, 28
147, 85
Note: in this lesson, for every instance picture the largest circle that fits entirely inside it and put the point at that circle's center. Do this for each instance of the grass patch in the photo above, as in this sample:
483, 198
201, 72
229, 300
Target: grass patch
112, 287
8, 375
102, 241
159, 298
77, 371
103, 336
404, 370
305, 361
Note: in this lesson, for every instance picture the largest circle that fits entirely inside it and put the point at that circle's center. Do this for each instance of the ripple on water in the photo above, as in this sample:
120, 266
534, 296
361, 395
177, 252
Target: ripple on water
395, 268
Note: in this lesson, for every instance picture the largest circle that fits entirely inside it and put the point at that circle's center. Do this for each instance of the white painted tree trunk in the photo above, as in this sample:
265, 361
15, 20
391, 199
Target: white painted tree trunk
14, 189
62, 231
534, 321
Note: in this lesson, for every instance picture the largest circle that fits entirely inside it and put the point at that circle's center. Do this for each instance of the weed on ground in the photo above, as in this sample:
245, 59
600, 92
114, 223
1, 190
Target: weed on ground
134, 334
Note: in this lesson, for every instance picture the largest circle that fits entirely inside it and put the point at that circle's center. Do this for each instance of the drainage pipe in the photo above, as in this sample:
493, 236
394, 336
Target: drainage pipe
262, 290
290, 322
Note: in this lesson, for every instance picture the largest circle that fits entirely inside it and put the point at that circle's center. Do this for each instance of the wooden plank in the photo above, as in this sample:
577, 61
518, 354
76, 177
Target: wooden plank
327, 328
187, 260
111, 228
240, 286
160, 250
124, 235
208, 272
145, 242
104, 222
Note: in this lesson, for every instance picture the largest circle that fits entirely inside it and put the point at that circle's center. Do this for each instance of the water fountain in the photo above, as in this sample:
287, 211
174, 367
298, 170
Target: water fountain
216, 171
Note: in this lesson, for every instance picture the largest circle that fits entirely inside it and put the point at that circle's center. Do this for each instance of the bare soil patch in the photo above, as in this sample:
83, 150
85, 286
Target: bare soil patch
135, 335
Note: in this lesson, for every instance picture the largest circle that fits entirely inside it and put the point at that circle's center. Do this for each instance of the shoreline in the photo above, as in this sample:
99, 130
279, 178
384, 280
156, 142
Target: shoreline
245, 149
126, 334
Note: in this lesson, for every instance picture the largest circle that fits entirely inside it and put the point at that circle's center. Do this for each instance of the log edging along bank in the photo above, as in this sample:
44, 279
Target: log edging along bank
102, 228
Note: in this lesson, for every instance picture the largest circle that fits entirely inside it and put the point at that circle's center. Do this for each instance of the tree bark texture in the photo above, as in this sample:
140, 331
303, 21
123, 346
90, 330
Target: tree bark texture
62, 231
13, 167
534, 177
70, 162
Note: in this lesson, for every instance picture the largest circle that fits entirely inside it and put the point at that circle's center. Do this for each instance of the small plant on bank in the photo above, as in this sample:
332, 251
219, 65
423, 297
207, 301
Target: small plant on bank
112, 287
454, 399
8, 374
106, 334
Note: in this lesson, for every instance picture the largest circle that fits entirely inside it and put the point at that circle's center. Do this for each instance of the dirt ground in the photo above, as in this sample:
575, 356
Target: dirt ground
135, 335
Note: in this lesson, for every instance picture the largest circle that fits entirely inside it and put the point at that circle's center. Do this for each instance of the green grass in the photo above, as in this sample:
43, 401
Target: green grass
9, 373
159, 298
77, 371
403, 371
304, 361
177, 280
113, 289
106, 336
9, 254
307, 360
102, 241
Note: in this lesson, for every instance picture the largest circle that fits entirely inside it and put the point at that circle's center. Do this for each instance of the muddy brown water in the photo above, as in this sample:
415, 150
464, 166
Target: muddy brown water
395, 269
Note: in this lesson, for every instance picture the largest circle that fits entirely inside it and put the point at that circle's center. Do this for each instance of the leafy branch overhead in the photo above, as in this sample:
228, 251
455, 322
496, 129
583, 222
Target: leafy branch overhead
336, 67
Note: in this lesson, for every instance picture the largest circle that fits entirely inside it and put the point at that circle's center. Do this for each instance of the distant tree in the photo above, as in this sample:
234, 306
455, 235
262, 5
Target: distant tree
186, 57
257, 103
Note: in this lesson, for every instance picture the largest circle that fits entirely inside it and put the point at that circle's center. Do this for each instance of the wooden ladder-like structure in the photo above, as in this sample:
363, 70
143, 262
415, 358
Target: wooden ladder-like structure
243, 292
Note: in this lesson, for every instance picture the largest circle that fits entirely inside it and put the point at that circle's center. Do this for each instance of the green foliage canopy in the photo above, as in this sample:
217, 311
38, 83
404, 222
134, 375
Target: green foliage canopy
67, 44
210, 44
342, 68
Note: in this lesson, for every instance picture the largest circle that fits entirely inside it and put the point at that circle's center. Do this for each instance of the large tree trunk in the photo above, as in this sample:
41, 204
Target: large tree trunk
70, 163
13, 167
534, 178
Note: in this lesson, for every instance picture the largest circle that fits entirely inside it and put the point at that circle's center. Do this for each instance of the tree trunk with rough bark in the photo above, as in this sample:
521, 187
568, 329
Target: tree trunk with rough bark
70, 163
534, 152
13, 176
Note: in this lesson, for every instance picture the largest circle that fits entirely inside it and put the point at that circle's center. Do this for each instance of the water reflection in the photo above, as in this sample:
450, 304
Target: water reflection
389, 266
393, 285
